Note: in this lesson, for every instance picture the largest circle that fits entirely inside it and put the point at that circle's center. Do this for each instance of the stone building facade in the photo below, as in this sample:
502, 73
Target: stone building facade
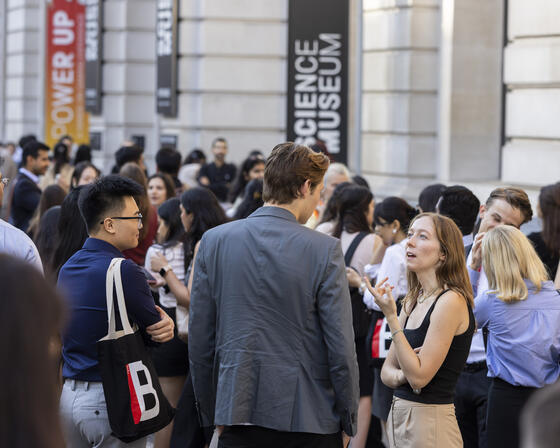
458, 91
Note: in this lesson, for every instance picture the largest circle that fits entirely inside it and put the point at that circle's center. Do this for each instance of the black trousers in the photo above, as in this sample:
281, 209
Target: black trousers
187, 432
505, 403
471, 397
257, 437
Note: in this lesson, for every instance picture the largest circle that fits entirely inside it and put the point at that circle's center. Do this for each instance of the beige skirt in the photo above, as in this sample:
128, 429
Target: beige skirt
418, 425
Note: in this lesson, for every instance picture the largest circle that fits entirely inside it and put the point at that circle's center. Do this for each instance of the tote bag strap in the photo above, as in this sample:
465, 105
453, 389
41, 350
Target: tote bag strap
114, 278
353, 246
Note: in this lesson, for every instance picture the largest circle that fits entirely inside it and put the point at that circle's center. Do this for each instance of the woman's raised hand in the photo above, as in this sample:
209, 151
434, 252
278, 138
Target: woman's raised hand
383, 296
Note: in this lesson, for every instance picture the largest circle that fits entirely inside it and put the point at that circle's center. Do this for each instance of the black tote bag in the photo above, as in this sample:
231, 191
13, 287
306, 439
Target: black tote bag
135, 402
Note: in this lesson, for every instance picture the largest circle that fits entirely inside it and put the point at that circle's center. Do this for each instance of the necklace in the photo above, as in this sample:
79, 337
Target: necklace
425, 297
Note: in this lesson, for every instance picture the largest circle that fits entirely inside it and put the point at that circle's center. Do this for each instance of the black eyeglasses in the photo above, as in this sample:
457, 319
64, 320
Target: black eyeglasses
138, 217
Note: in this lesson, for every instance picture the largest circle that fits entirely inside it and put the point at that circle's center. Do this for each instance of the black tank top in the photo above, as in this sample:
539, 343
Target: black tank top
441, 389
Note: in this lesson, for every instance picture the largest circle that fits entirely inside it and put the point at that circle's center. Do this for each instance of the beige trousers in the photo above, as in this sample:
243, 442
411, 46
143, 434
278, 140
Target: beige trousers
418, 425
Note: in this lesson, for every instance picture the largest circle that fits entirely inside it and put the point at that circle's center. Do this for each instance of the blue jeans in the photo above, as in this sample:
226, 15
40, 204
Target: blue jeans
83, 413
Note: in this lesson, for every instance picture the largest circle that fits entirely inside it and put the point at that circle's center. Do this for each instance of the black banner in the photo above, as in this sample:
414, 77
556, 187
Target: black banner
168, 141
318, 74
139, 140
94, 51
166, 52
95, 141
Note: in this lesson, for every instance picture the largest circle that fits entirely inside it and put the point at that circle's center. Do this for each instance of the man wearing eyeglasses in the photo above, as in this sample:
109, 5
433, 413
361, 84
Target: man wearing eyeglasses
113, 222
15, 242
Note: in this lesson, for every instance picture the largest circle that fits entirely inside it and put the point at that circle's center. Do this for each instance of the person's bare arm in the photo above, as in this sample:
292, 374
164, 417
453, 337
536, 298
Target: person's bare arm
447, 317
176, 286
181, 292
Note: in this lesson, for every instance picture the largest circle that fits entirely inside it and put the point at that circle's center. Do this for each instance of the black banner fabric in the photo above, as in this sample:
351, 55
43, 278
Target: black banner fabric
95, 141
318, 74
168, 141
94, 47
166, 52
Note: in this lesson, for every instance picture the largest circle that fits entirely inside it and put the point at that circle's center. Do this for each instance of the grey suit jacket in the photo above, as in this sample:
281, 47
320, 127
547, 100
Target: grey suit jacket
270, 332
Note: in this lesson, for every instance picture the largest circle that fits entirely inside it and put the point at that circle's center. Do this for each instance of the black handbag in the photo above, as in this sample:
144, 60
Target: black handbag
136, 405
361, 316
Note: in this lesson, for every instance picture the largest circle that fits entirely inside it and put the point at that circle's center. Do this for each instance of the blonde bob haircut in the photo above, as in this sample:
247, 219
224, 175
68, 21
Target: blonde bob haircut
452, 271
508, 259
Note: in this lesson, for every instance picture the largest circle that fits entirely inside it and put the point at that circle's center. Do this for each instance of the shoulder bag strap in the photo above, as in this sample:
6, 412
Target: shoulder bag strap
120, 299
109, 282
114, 278
353, 246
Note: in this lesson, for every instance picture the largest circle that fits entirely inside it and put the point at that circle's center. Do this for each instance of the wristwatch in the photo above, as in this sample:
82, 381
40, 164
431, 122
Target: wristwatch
362, 288
164, 270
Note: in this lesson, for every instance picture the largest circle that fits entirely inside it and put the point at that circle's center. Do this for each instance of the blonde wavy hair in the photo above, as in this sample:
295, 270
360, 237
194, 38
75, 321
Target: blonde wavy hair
452, 271
508, 259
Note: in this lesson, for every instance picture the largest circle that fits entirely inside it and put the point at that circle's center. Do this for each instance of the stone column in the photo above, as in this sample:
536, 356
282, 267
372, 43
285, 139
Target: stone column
399, 102
531, 155
23, 82
128, 104
470, 88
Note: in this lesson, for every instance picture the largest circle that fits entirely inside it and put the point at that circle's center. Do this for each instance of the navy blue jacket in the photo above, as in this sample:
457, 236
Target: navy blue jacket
82, 281
25, 199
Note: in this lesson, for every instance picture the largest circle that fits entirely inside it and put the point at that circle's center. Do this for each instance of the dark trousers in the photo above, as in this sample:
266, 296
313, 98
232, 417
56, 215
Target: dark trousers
375, 434
471, 397
257, 437
187, 432
505, 403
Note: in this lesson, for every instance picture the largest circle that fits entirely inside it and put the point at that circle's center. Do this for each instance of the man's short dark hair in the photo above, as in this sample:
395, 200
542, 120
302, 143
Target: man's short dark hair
168, 161
104, 196
461, 205
288, 167
127, 154
429, 197
218, 140
32, 149
26, 139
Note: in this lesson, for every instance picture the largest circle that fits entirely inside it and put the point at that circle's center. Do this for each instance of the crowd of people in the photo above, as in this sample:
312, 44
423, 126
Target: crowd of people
281, 304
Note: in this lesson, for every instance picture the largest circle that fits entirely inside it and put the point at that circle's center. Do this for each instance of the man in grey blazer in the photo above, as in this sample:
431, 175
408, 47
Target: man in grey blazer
271, 344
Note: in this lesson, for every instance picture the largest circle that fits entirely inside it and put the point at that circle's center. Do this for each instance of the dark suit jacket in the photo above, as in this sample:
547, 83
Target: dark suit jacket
25, 199
270, 332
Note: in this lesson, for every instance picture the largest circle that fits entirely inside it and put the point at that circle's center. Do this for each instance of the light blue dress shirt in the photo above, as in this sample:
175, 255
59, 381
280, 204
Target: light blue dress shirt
15, 242
524, 337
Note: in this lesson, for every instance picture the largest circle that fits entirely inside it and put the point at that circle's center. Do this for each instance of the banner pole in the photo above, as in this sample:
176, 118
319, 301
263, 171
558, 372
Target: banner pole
358, 88
3, 71
41, 100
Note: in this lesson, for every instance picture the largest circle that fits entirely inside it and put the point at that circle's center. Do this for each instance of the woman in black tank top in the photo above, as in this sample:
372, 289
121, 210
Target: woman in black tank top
431, 337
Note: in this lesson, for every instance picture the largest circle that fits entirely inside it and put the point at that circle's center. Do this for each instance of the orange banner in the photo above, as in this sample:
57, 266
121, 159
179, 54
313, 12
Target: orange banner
65, 72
